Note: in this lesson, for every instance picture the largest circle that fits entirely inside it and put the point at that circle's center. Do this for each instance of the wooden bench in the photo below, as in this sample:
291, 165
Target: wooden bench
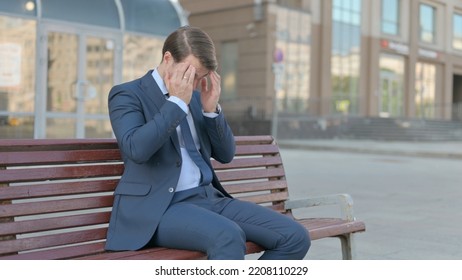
56, 198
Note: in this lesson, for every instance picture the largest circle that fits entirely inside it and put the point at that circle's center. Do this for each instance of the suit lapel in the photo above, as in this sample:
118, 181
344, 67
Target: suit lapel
152, 90
196, 112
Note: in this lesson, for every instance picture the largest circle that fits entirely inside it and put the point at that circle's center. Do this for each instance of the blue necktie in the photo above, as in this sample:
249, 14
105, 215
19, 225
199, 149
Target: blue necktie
194, 153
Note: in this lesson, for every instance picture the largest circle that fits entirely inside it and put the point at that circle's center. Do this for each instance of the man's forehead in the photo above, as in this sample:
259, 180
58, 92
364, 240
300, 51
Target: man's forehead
201, 71
202, 75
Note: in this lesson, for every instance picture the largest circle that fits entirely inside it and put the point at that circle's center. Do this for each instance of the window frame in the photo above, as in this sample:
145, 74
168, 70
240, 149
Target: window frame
398, 22
434, 9
453, 35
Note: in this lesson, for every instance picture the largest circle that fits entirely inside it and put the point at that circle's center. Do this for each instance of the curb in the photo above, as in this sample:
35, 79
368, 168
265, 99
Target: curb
365, 150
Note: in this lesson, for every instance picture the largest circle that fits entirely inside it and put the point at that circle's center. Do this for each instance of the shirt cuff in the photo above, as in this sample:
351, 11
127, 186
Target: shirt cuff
213, 114
180, 103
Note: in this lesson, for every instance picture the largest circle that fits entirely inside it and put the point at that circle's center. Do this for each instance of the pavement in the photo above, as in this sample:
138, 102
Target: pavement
419, 149
408, 194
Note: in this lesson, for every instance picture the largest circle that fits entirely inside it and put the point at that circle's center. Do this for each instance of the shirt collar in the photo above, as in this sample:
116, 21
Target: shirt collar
159, 81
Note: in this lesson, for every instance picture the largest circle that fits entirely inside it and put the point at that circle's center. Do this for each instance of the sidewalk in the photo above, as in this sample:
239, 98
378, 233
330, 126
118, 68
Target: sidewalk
419, 149
407, 193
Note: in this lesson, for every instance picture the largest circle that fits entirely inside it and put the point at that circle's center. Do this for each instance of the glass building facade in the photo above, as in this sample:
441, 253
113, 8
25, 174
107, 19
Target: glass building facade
457, 31
59, 59
345, 60
293, 48
390, 14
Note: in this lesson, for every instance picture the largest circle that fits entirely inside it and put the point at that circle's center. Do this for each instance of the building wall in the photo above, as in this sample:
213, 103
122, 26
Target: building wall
237, 21
424, 64
59, 59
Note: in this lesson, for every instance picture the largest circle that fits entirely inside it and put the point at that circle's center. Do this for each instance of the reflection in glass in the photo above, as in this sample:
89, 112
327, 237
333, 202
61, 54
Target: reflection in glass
293, 39
71, 99
150, 17
427, 23
391, 97
17, 77
16, 127
98, 129
22, 7
229, 58
62, 72
101, 12
345, 60
390, 17
457, 32
95, 88
100, 75
61, 128
140, 54
425, 90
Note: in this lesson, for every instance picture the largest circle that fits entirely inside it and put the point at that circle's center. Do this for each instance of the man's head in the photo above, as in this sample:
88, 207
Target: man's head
189, 40
193, 46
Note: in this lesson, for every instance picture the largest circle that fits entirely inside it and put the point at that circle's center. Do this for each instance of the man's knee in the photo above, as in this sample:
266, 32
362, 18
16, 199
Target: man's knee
228, 244
299, 241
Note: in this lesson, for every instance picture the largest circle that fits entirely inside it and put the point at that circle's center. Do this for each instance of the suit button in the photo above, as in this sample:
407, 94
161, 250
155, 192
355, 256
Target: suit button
171, 189
178, 164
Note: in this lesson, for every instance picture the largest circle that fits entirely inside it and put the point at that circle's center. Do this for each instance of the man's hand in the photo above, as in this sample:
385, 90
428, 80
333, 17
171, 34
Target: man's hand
210, 92
180, 81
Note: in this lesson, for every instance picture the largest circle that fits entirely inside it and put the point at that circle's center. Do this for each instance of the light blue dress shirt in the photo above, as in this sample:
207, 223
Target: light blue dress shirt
190, 175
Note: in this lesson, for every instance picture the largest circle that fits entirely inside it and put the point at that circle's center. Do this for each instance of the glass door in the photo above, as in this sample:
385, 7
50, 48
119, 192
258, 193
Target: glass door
79, 70
391, 95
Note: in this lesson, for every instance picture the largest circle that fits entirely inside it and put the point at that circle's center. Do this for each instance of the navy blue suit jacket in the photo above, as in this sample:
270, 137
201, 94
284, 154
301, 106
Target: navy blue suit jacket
144, 124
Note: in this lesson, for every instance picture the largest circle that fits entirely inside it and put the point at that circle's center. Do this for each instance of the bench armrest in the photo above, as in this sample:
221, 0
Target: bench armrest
343, 200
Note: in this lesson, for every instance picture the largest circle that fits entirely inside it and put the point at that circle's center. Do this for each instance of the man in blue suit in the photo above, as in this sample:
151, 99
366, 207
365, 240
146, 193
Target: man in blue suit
168, 196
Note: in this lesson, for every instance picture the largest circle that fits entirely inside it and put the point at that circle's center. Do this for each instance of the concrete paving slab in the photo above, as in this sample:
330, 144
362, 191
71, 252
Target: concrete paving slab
410, 203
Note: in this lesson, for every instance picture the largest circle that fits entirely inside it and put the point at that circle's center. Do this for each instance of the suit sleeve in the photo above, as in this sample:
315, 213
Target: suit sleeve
221, 138
139, 138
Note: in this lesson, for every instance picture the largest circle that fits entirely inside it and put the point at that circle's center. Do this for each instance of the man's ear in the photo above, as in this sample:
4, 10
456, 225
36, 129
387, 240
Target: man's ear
168, 58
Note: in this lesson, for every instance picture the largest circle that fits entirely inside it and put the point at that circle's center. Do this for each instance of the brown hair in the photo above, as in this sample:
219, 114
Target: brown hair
188, 40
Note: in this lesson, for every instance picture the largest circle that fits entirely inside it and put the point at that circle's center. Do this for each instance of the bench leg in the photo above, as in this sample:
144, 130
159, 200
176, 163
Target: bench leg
347, 241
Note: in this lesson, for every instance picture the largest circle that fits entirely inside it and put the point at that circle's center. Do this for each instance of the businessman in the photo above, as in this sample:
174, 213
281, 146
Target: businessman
168, 125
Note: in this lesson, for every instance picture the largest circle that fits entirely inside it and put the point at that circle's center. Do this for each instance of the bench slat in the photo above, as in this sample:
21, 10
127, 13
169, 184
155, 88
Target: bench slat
54, 157
60, 253
109, 143
248, 163
57, 189
33, 208
265, 198
59, 173
8, 145
254, 140
40, 242
159, 253
30, 226
329, 227
239, 175
249, 150
255, 186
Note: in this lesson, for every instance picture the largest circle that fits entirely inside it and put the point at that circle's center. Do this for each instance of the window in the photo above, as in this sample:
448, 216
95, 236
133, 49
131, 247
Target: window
427, 24
151, 17
457, 31
390, 17
140, 54
101, 13
345, 59
391, 95
425, 90
17, 79
293, 29
229, 58
22, 7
